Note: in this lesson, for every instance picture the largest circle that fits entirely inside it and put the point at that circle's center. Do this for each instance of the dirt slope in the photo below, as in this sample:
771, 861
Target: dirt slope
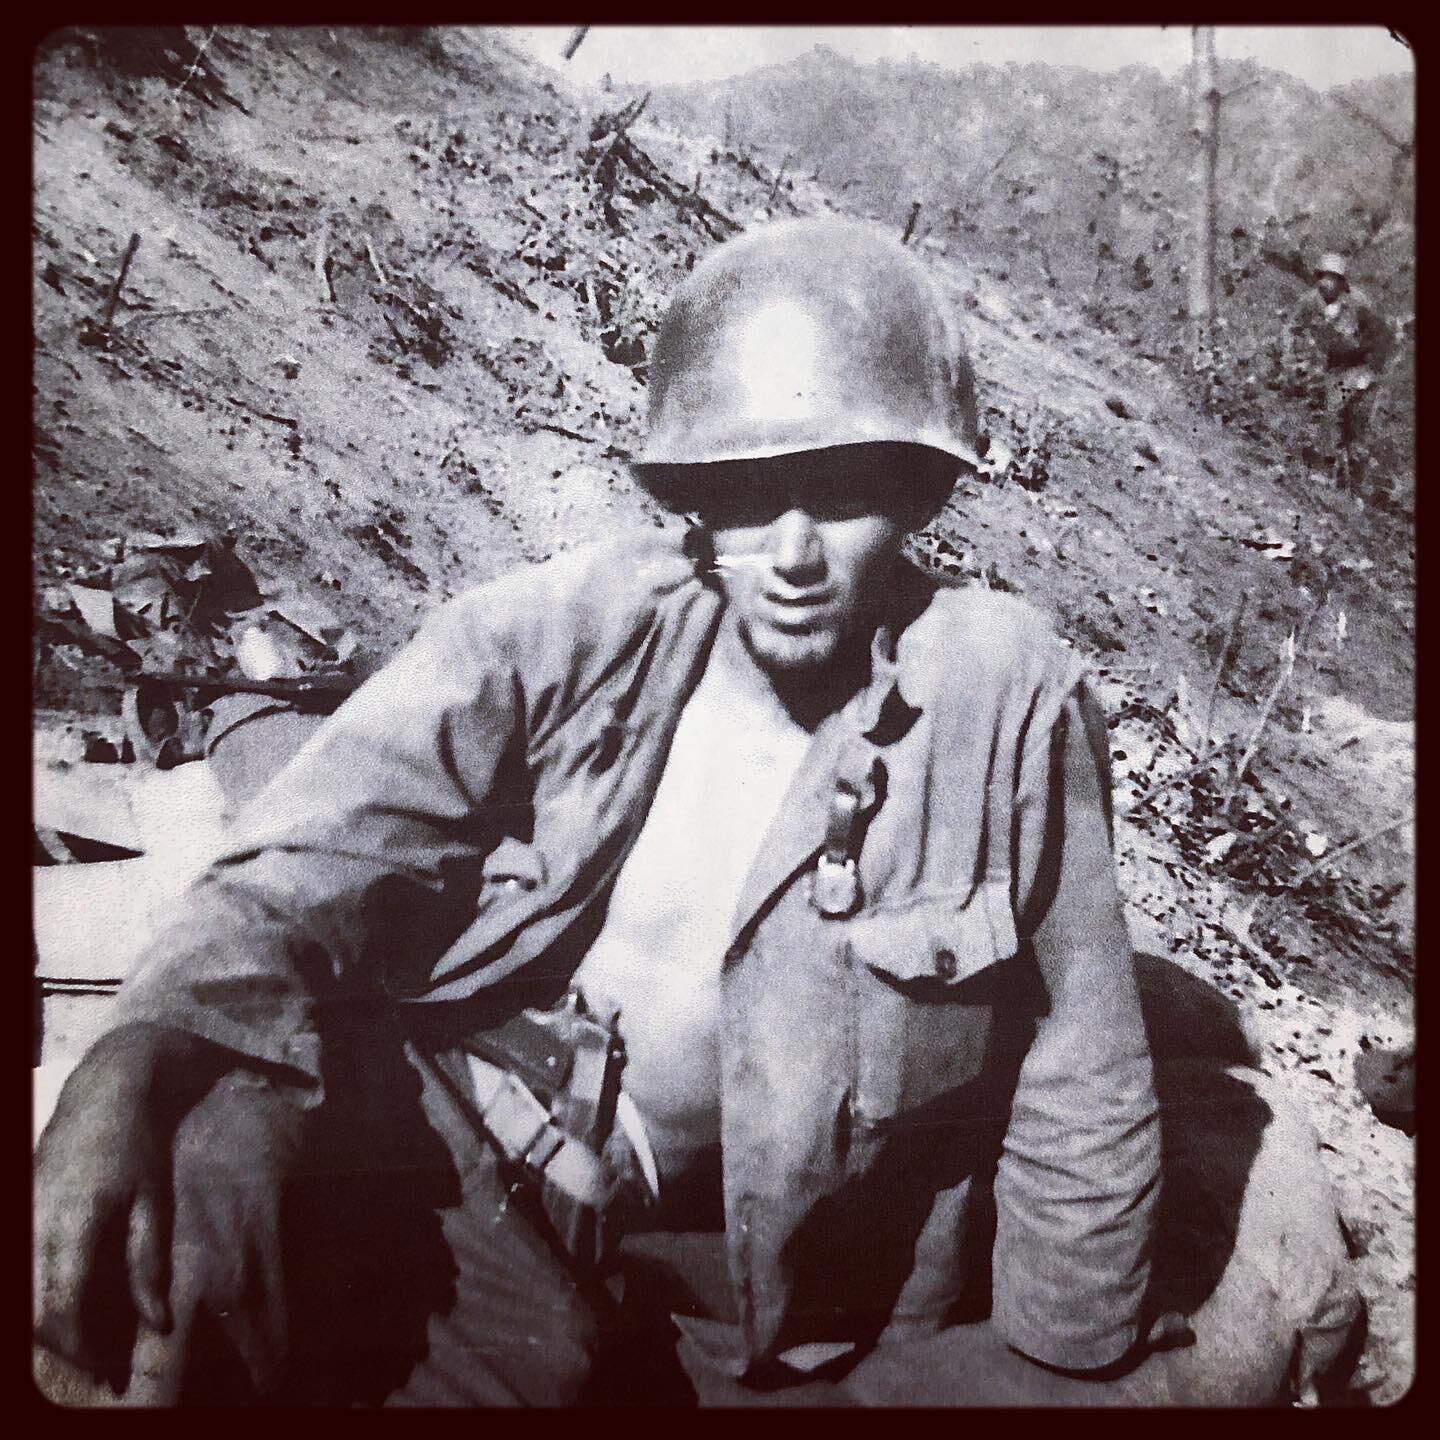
1077, 184
387, 322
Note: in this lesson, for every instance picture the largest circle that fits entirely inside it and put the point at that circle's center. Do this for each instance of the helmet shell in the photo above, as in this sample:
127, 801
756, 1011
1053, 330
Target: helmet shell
1331, 264
802, 335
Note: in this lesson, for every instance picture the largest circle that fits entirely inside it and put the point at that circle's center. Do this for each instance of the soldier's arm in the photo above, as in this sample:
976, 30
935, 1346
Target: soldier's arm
348, 856
1078, 1176
348, 849
1376, 336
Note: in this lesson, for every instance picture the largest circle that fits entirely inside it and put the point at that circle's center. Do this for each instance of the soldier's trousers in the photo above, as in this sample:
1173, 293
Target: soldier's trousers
380, 1258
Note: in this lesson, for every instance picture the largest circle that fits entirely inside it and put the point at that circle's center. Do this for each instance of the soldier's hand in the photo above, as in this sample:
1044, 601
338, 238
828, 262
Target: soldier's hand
101, 1240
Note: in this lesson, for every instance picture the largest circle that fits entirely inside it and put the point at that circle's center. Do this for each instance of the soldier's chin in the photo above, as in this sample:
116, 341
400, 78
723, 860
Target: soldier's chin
788, 652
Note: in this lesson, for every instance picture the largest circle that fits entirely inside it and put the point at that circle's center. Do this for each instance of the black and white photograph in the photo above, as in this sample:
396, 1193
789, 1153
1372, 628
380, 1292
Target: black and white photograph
723, 716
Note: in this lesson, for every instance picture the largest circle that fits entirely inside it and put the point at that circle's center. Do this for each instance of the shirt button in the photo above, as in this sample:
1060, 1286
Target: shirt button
945, 964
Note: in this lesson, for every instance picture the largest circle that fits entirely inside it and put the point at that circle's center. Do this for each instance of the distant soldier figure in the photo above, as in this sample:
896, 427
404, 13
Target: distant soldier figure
1354, 342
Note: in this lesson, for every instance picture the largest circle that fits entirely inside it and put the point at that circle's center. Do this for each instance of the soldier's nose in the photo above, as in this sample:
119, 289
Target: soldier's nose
795, 548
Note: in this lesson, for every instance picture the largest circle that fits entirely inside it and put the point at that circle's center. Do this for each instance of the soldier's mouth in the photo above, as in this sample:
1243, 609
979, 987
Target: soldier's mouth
796, 614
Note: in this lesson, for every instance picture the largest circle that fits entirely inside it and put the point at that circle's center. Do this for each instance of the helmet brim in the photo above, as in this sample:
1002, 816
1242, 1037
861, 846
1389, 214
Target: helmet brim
932, 470
657, 459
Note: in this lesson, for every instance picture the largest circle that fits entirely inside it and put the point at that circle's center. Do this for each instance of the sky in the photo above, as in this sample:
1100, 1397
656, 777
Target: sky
1322, 55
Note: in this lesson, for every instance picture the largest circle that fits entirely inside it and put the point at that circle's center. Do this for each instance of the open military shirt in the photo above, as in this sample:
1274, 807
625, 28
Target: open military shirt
951, 1051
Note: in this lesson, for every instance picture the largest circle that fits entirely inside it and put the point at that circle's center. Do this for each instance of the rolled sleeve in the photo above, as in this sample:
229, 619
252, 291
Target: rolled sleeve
1078, 1176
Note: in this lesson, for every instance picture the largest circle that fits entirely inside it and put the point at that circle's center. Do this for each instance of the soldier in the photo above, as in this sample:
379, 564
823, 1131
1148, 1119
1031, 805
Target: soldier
754, 890
1354, 343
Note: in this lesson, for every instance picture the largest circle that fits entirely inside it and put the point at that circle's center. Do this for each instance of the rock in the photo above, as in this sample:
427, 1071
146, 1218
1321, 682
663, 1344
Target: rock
1385, 1076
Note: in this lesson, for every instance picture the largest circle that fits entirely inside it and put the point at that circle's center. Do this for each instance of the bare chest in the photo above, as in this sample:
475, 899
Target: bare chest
657, 959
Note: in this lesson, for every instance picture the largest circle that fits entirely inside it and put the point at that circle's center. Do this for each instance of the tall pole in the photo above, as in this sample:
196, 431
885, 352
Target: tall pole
573, 43
1205, 126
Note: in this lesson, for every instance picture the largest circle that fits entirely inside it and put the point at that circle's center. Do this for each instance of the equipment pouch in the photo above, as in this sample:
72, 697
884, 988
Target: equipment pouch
546, 1086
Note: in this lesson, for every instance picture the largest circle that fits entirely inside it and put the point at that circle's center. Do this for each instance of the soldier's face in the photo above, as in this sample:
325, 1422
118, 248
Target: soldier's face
1329, 286
805, 547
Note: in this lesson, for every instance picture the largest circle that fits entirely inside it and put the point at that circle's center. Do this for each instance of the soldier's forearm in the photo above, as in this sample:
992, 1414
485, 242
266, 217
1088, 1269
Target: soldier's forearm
162, 1069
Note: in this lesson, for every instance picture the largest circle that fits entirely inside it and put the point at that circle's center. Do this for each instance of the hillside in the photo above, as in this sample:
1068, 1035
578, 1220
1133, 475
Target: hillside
1074, 183
386, 326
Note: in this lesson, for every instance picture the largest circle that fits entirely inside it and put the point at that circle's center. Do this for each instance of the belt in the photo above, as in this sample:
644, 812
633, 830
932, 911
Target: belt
546, 1091
526, 1132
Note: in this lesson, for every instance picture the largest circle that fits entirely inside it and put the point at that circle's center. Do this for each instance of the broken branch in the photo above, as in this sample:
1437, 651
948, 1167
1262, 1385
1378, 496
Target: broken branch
561, 430
1293, 642
1287, 668
623, 148
779, 176
1296, 881
322, 264
1220, 665
140, 317
619, 121
114, 296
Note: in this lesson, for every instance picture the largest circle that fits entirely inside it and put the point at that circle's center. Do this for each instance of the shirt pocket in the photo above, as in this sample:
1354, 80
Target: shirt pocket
940, 1003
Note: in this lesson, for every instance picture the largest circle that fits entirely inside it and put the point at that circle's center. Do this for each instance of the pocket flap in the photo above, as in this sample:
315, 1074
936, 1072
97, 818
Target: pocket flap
945, 940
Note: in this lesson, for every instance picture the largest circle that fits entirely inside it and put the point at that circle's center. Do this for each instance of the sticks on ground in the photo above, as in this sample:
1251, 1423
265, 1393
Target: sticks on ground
1210, 756
1329, 857
1293, 643
1287, 668
1226, 651
113, 298
145, 317
623, 149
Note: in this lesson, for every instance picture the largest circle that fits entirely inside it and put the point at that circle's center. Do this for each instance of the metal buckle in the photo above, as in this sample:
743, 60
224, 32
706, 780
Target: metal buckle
835, 889
542, 1151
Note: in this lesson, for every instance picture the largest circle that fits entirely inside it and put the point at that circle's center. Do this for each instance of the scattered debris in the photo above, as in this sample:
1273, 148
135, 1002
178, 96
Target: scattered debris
182, 614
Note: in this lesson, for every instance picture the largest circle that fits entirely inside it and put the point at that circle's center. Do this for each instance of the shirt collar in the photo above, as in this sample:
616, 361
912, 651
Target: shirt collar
886, 712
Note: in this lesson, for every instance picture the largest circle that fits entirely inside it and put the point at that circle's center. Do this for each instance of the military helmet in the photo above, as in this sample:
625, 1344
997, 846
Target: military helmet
803, 335
1331, 264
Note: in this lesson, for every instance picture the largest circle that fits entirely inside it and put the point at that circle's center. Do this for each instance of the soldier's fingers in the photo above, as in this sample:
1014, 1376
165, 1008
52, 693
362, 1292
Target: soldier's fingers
146, 1261
64, 1255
